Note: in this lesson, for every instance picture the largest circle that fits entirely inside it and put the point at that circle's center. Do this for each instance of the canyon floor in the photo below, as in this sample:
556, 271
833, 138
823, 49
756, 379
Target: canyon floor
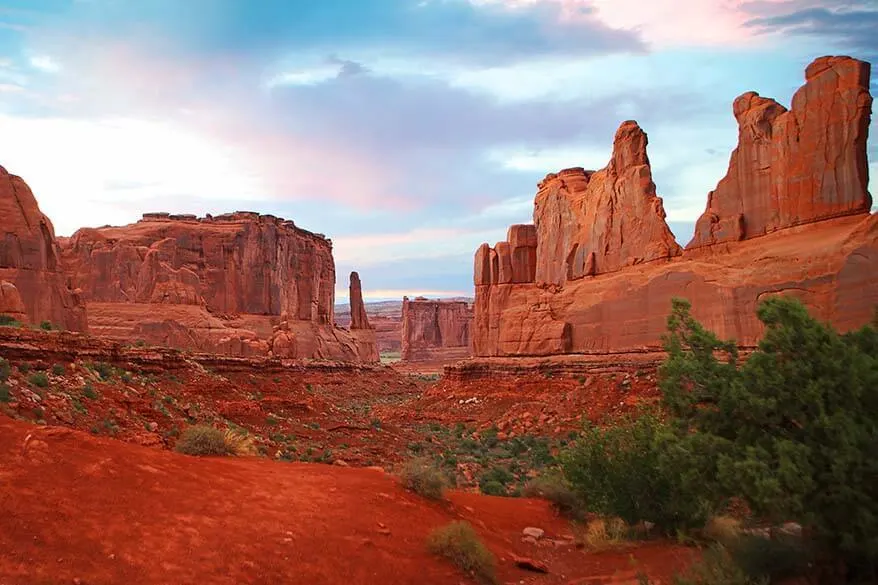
94, 493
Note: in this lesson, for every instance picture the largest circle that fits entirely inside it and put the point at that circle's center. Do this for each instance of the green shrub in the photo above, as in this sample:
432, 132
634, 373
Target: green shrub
459, 543
203, 440
775, 560
555, 489
89, 392
5, 369
7, 321
717, 567
39, 379
46, 326
425, 479
636, 470
792, 430
104, 370
58, 370
24, 368
4, 393
495, 481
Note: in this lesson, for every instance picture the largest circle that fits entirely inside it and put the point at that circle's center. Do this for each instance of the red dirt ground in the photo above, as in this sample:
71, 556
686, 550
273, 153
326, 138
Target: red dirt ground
94, 510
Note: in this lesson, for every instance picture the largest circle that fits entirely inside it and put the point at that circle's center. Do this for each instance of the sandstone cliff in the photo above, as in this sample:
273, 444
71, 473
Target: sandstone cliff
791, 217
796, 166
29, 262
239, 284
435, 330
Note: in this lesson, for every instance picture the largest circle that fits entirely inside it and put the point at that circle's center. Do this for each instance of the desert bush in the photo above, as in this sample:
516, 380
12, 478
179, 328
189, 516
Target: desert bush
46, 326
208, 440
459, 543
4, 393
39, 379
7, 321
555, 489
104, 370
793, 430
637, 469
424, 478
771, 559
89, 392
239, 443
605, 532
495, 481
717, 567
58, 370
722, 529
5, 369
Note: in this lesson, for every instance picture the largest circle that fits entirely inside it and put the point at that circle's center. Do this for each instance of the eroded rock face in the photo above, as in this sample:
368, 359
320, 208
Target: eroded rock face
234, 263
11, 304
594, 222
797, 166
239, 284
791, 218
435, 330
29, 259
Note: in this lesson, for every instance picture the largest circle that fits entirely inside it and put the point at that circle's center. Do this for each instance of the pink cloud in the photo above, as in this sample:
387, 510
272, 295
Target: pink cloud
669, 23
222, 101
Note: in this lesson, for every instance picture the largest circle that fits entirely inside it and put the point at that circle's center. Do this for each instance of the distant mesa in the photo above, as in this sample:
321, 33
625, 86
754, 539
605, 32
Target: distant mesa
435, 330
596, 271
240, 284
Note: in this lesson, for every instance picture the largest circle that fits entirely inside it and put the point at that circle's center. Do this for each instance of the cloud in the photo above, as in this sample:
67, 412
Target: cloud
348, 116
455, 30
849, 26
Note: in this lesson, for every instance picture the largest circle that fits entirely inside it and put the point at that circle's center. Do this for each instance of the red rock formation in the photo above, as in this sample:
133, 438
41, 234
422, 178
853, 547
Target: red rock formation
363, 333
435, 330
801, 209
797, 166
29, 259
594, 222
234, 263
11, 304
236, 284
359, 319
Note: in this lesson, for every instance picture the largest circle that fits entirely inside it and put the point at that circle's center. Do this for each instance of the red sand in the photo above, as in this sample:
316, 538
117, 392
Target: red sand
92, 510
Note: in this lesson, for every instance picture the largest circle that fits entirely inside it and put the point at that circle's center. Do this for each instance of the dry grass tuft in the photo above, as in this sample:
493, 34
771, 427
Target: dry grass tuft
459, 543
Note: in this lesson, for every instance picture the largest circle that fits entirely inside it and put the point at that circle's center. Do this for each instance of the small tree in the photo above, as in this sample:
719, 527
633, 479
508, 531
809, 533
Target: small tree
793, 430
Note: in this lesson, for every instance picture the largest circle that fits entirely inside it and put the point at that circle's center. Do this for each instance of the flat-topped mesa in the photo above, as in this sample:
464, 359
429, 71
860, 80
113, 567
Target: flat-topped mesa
435, 330
594, 222
359, 318
29, 261
235, 217
234, 263
797, 166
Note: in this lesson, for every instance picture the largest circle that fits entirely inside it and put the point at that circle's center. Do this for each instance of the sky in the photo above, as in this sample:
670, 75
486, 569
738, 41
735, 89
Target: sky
407, 131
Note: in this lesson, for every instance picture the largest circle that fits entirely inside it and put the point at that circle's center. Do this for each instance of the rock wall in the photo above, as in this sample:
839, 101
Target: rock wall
235, 263
237, 284
791, 217
435, 330
35, 288
796, 166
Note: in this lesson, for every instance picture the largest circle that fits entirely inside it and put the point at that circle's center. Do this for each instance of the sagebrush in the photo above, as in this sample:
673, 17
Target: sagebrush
459, 543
